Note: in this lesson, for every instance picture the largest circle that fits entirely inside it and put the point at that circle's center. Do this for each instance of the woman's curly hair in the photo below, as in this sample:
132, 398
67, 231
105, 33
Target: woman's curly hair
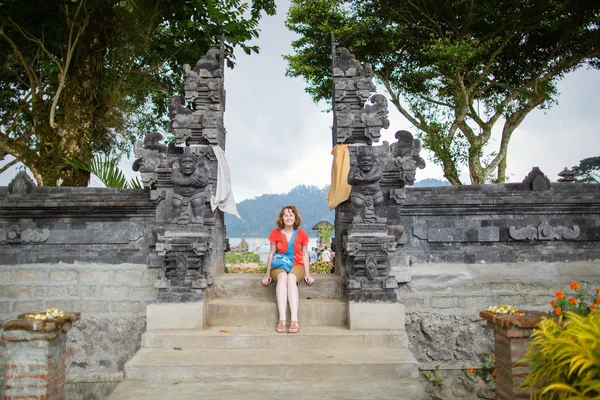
279, 221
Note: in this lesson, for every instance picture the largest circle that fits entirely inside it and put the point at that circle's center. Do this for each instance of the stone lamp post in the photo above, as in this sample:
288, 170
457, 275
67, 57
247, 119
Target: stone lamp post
36, 366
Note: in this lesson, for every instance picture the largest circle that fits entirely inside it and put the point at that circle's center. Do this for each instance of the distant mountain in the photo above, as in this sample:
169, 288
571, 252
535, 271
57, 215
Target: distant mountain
431, 182
260, 213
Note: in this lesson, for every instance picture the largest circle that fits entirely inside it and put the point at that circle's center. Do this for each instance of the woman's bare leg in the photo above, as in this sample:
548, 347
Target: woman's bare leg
281, 292
293, 296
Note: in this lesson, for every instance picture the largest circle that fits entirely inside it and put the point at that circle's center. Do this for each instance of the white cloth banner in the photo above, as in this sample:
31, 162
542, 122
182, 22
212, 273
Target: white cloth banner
223, 196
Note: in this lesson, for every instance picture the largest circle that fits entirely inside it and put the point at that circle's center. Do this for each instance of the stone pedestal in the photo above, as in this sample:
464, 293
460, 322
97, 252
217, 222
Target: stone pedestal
375, 315
184, 251
36, 366
175, 316
367, 249
511, 341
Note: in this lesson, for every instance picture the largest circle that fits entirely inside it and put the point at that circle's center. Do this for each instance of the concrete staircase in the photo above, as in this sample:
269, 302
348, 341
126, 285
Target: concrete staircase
238, 354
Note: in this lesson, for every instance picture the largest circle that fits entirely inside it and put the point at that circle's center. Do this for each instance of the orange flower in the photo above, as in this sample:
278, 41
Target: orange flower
597, 290
594, 307
572, 300
574, 285
553, 303
557, 311
597, 300
494, 372
559, 295
492, 356
470, 370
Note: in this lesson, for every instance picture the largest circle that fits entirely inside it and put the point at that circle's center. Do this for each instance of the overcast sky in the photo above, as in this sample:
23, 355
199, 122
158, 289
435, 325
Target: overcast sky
277, 138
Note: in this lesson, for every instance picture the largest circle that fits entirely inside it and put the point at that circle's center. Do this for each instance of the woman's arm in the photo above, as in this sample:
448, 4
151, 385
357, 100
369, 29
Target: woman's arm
307, 277
267, 279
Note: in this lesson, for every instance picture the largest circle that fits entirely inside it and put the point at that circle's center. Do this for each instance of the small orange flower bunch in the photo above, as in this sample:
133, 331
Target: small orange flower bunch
580, 301
487, 372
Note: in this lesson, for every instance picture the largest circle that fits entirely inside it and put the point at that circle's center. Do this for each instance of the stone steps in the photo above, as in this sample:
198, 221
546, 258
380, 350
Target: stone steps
263, 312
244, 338
233, 351
272, 364
313, 389
249, 286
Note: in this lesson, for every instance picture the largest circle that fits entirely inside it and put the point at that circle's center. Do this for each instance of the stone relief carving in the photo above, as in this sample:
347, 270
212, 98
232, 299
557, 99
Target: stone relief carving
536, 180
398, 195
181, 268
364, 177
21, 184
151, 154
543, 232
189, 179
181, 119
406, 152
375, 117
371, 267
15, 234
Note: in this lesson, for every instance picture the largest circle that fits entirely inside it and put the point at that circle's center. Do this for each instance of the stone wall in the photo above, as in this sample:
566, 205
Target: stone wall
112, 300
83, 250
478, 224
498, 223
462, 249
54, 224
443, 302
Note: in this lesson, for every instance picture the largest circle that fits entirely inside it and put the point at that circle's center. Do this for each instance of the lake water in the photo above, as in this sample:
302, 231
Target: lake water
263, 245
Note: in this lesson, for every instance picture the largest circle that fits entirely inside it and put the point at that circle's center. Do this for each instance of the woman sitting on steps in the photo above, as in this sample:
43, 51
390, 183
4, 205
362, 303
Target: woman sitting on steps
288, 264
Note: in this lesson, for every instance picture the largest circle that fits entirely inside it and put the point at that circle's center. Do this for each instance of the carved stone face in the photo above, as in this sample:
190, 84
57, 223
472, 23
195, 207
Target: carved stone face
365, 162
187, 166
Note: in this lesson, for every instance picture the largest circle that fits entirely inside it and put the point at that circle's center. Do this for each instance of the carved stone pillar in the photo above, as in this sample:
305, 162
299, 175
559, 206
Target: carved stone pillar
368, 247
189, 234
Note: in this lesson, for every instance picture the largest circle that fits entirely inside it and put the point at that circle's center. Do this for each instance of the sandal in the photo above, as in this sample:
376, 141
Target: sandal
294, 327
281, 326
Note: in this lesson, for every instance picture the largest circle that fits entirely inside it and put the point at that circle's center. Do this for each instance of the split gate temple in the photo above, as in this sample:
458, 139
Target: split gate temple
141, 272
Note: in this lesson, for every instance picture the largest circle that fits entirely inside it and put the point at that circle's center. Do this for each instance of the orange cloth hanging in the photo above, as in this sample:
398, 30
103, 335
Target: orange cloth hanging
339, 191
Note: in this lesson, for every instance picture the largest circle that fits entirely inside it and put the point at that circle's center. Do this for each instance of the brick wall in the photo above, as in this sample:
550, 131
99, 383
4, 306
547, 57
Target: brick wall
37, 368
111, 298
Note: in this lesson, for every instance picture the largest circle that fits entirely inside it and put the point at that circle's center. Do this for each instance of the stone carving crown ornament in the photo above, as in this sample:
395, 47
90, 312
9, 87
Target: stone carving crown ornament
21, 184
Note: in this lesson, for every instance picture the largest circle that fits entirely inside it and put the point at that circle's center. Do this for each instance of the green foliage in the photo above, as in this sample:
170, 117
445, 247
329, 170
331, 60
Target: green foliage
324, 232
565, 358
260, 213
241, 258
433, 377
108, 171
454, 68
85, 77
588, 170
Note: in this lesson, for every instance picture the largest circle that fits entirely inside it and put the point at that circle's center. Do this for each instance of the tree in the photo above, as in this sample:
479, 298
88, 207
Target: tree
324, 230
454, 69
82, 77
588, 170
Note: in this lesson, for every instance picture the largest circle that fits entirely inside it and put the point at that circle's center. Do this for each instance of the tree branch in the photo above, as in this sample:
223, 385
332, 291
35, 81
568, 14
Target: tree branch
70, 50
7, 166
28, 70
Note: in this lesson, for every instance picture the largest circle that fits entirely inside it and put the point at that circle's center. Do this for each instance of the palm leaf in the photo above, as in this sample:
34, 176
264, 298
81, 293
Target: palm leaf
105, 168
